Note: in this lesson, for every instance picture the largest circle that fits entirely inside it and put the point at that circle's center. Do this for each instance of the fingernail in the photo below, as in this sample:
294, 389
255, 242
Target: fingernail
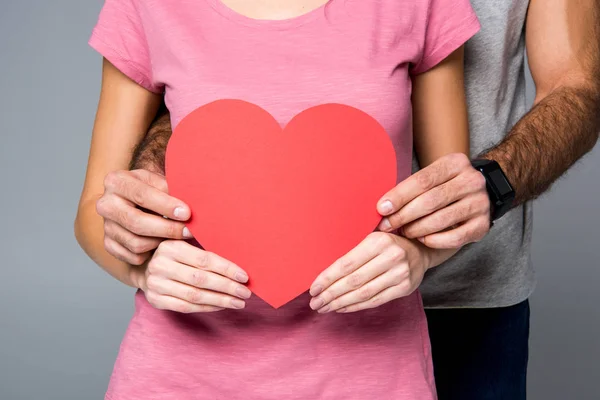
324, 310
316, 290
315, 304
386, 207
180, 212
385, 225
243, 292
241, 277
342, 310
187, 234
237, 303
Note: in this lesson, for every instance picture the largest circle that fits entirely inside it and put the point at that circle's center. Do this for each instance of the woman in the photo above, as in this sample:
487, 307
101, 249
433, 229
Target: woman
399, 61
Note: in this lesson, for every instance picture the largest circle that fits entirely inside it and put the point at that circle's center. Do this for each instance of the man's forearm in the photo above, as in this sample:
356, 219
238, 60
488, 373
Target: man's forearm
150, 153
556, 133
563, 45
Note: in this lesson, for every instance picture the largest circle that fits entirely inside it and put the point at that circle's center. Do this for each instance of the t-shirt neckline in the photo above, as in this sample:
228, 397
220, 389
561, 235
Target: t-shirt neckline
277, 24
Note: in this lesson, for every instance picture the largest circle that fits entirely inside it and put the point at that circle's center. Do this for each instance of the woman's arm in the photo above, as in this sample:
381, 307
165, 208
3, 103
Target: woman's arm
440, 122
125, 111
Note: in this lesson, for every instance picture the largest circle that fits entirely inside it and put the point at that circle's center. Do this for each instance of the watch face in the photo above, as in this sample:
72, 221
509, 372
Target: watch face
500, 182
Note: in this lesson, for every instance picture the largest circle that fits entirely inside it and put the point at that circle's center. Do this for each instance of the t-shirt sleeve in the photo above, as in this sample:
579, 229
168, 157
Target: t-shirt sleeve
119, 37
450, 23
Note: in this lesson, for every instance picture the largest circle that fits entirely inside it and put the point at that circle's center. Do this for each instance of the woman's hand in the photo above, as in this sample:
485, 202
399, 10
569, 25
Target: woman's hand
383, 267
183, 278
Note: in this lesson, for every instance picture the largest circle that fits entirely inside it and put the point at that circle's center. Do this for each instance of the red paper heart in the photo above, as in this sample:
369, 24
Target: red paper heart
283, 204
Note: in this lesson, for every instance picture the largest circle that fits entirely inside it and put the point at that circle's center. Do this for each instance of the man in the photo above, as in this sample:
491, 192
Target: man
477, 302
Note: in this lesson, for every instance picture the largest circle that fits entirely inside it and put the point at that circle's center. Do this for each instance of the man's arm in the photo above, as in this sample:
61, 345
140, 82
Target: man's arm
149, 154
563, 46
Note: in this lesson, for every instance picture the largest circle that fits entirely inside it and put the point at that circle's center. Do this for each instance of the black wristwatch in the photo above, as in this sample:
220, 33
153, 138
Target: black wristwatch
499, 188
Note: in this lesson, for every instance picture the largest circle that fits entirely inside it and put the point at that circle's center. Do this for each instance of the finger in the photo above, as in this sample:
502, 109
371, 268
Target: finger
174, 304
454, 214
429, 202
139, 222
201, 279
134, 243
442, 170
350, 283
192, 294
371, 290
190, 255
151, 178
361, 286
146, 195
354, 259
471, 231
121, 253
387, 295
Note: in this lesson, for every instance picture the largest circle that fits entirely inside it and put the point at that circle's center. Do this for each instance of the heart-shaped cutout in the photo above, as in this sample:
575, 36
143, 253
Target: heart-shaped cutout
283, 204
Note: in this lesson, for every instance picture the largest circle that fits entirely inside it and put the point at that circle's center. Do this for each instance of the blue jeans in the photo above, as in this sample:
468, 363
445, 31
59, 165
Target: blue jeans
480, 354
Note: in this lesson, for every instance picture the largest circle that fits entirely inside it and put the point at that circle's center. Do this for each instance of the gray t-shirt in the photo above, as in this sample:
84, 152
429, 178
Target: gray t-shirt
497, 271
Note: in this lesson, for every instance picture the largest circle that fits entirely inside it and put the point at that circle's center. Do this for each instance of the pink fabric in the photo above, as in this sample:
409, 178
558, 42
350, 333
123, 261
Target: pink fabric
356, 52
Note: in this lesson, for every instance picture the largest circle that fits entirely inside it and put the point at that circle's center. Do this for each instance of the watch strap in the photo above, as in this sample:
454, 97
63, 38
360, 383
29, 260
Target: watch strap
500, 191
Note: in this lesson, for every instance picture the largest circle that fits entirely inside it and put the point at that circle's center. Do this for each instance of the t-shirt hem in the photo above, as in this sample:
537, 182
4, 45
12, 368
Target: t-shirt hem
470, 26
123, 64
481, 303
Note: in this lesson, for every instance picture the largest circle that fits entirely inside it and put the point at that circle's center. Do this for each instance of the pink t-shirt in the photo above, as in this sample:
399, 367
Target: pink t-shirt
355, 52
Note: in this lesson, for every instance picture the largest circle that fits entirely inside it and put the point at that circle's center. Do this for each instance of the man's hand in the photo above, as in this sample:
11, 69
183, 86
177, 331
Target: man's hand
183, 278
444, 205
383, 267
130, 234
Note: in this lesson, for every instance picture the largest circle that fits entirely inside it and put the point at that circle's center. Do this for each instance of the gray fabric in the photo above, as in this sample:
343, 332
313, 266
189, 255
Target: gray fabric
497, 271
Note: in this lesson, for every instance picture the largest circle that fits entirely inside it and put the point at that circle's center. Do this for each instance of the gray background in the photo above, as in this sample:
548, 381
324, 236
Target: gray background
62, 318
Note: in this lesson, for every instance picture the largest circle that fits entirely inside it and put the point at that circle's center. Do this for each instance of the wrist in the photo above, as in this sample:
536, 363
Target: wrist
148, 166
137, 275
418, 253
500, 191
